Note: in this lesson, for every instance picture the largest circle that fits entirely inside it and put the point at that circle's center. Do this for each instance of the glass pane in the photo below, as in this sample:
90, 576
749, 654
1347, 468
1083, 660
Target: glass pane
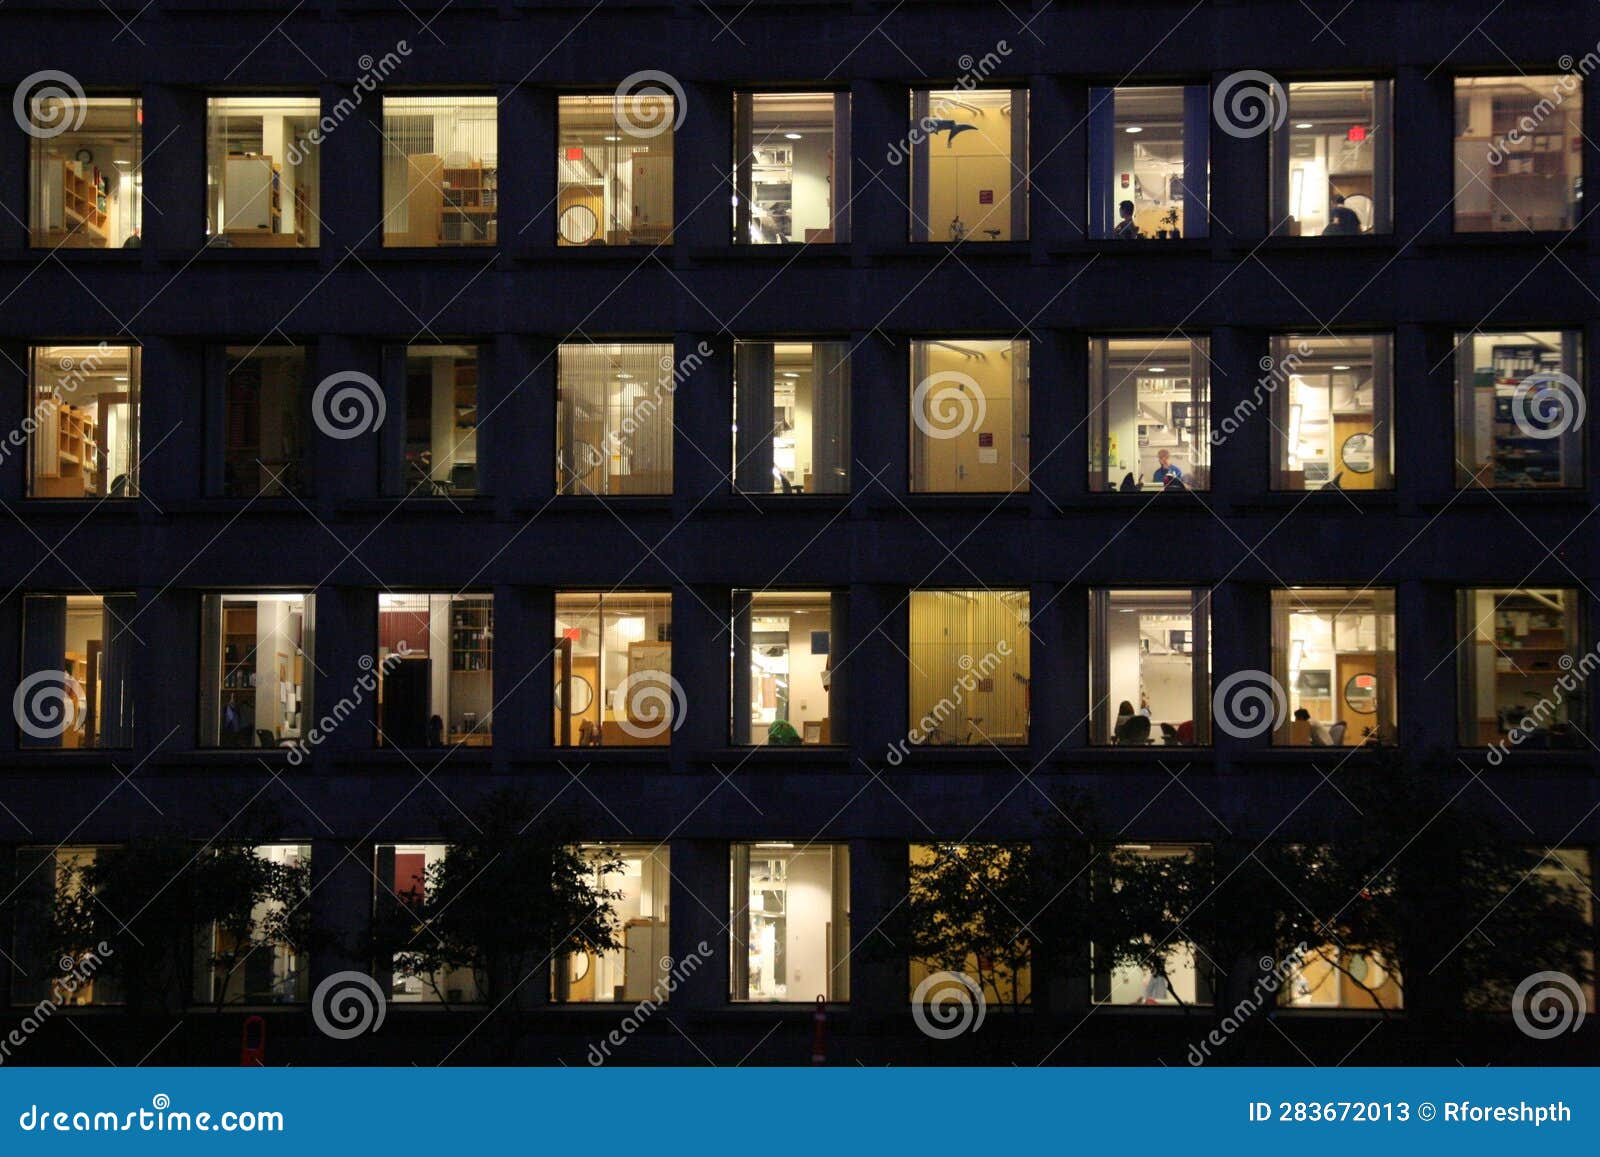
969, 164
783, 650
441, 447
245, 964
791, 168
969, 417
1149, 414
1331, 160
265, 421
1519, 646
790, 927
614, 169
85, 439
981, 937
1333, 653
257, 673
1519, 152
613, 670
440, 175
1332, 425
640, 969
403, 872
1150, 669
614, 418
1149, 167
1519, 409
77, 653
87, 187
791, 415
1183, 978
435, 670
969, 667
263, 170
45, 875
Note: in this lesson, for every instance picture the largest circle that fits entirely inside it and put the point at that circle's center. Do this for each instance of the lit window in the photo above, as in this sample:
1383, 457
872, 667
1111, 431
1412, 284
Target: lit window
614, 169
614, 418
783, 655
263, 171
1333, 659
1150, 667
1149, 163
969, 667
965, 916
969, 164
1520, 402
406, 873
441, 433
1519, 645
1149, 414
85, 409
1332, 417
76, 688
1171, 974
791, 167
790, 924
47, 878
1332, 977
1519, 153
640, 882
87, 186
791, 412
613, 670
969, 416
441, 181
1331, 160
254, 958
265, 403
435, 670
255, 669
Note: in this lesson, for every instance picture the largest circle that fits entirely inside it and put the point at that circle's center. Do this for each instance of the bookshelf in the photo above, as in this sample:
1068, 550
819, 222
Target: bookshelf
69, 460
469, 203
472, 635
83, 203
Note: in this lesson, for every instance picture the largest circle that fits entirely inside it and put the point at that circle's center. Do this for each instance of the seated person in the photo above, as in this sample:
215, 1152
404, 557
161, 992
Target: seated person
1167, 476
1126, 230
1342, 221
1133, 731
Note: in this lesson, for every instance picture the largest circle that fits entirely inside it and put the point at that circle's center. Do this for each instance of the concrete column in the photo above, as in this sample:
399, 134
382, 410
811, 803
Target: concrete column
342, 468
527, 175
879, 118
879, 422
878, 968
174, 393
879, 683
174, 169
1241, 461
524, 687
1058, 165
1059, 691
702, 181
700, 905
1424, 180
517, 422
701, 380
352, 175
346, 632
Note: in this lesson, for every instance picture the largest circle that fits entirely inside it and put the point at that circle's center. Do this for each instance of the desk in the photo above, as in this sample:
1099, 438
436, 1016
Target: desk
613, 734
471, 739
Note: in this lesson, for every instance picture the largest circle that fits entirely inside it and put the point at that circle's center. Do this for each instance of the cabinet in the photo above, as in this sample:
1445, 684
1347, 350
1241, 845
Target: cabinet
469, 202
472, 635
253, 204
66, 453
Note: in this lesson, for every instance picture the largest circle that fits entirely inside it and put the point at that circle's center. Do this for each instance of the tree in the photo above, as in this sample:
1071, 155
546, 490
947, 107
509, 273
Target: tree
968, 912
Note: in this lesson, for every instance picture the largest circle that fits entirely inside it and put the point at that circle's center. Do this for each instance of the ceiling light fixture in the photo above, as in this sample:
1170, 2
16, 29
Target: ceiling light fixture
791, 136
1134, 129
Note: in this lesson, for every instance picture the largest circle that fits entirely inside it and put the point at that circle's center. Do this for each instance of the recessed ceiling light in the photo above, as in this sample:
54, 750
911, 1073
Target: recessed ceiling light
1158, 369
119, 379
121, 164
1133, 129
622, 377
1341, 367
1305, 125
788, 374
791, 136
613, 138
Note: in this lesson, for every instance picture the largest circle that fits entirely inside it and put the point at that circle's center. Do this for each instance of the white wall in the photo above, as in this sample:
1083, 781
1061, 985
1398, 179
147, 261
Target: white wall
810, 908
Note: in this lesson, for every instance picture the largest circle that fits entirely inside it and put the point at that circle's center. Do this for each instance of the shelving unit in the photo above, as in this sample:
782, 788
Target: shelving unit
1529, 640
469, 204
254, 203
73, 471
1519, 459
83, 203
472, 635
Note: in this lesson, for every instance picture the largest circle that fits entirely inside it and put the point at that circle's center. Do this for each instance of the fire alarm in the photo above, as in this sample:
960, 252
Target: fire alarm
1357, 133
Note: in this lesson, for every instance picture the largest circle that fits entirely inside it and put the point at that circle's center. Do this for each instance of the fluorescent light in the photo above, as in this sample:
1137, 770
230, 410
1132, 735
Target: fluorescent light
1133, 129
1158, 369
1337, 368
613, 138
1305, 125
790, 374
791, 136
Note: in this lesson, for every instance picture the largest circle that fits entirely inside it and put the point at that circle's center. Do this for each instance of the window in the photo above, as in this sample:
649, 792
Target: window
435, 670
1333, 659
46, 877
86, 154
263, 170
1520, 402
969, 417
642, 886
441, 434
1149, 414
969, 667
968, 908
85, 437
256, 669
1149, 162
613, 670
265, 421
614, 418
257, 960
1150, 667
791, 413
1519, 153
791, 167
614, 169
404, 875
1522, 668
969, 164
440, 177
1126, 974
1331, 160
790, 926
1334, 423
1332, 977
77, 654
783, 649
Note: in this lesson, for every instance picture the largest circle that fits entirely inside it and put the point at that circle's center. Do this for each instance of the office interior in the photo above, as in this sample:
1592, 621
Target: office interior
1334, 424
85, 404
969, 169
1329, 976
86, 182
441, 422
1514, 432
1184, 981
1150, 144
90, 639
1335, 141
613, 669
791, 411
641, 888
964, 688
791, 168
435, 670
1150, 667
256, 672
1518, 160
263, 170
614, 418
614, 169
264, 416
41, 875
403, 873
790, 925
969, 416
1333, 652
1518, 643
999, 983
440, 171
783, 645
229, 970
1148, 396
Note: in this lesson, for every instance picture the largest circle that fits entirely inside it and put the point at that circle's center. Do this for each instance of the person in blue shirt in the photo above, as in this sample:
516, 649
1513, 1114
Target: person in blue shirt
1166, 473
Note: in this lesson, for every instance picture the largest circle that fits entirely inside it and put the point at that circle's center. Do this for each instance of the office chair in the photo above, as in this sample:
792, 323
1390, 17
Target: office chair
464, 478
266, 738
1134, 731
